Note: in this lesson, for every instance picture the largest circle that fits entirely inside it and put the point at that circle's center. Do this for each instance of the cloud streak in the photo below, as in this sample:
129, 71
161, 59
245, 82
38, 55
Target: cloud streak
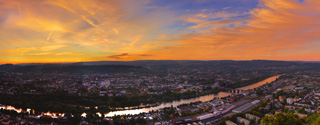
277, 29
123, 55
94, 30
126, 56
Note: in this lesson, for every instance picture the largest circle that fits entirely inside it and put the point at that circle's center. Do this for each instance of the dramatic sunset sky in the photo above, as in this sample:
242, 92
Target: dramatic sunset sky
33, 31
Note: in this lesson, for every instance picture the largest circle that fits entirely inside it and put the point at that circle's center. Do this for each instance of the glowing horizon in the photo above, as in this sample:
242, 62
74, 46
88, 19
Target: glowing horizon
58, 31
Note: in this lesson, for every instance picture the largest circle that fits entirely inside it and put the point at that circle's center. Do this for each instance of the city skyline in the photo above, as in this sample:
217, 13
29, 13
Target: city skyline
55, 31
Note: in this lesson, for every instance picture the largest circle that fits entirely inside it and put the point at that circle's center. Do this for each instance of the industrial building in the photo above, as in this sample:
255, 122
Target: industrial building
242, 108
245, 106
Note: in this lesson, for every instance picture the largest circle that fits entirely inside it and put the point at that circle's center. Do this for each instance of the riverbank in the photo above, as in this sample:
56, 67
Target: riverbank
245, 83
59, 102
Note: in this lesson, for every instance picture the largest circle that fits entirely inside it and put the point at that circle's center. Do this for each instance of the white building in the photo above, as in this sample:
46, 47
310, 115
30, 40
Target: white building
250, 116
205, 116
289, 101
255, 102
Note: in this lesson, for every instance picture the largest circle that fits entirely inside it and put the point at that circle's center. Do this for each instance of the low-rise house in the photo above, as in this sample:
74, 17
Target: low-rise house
290, 101
245, 121
301, 115
268, 97
250, 116
277, 104
289, 88
302, 104
228, 122
268, 115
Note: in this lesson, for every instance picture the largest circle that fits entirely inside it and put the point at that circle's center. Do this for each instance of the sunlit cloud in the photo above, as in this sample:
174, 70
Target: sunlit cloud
115, 31
123, 55
27, 49
277, 29
94, 30
127, 56
163, 36
93, 27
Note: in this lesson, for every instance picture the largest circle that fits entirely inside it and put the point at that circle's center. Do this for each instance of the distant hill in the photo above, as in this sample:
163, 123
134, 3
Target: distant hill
208, 64
73, 68
163, 66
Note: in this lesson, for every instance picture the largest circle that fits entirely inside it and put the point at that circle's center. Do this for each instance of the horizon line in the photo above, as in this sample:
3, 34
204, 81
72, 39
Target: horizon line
151, 60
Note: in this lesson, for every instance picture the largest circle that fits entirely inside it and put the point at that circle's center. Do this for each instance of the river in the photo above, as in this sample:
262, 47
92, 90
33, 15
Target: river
256, 85
162, 105
168, 104
186, 101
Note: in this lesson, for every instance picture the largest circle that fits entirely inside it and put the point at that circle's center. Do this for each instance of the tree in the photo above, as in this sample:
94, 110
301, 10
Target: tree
316, 121
285, 110
303, 111
281, 119
259, 92
208, 108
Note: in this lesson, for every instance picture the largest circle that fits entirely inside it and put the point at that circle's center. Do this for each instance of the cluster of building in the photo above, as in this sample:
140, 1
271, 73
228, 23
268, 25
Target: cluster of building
245, 120
303, 90
119, 84
199, 113
299, 94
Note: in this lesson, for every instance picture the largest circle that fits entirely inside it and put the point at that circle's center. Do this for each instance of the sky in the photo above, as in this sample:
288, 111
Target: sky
57, 31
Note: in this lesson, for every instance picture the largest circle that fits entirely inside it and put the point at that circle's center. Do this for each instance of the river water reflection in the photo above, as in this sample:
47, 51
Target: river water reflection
186, 101
256, 85
168, 104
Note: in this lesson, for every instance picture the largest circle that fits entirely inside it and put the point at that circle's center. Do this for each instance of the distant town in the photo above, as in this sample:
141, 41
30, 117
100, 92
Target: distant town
179, 93
159, 62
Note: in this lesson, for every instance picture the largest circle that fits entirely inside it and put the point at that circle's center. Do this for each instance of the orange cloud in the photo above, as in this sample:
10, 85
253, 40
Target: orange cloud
126, 56
92, 27
123, 55
88, 30
162, 36
278, 29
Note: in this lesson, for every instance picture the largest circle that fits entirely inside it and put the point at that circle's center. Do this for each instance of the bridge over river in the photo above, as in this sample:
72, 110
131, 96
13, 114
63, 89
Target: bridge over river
226, 93
204, 98
250, 87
